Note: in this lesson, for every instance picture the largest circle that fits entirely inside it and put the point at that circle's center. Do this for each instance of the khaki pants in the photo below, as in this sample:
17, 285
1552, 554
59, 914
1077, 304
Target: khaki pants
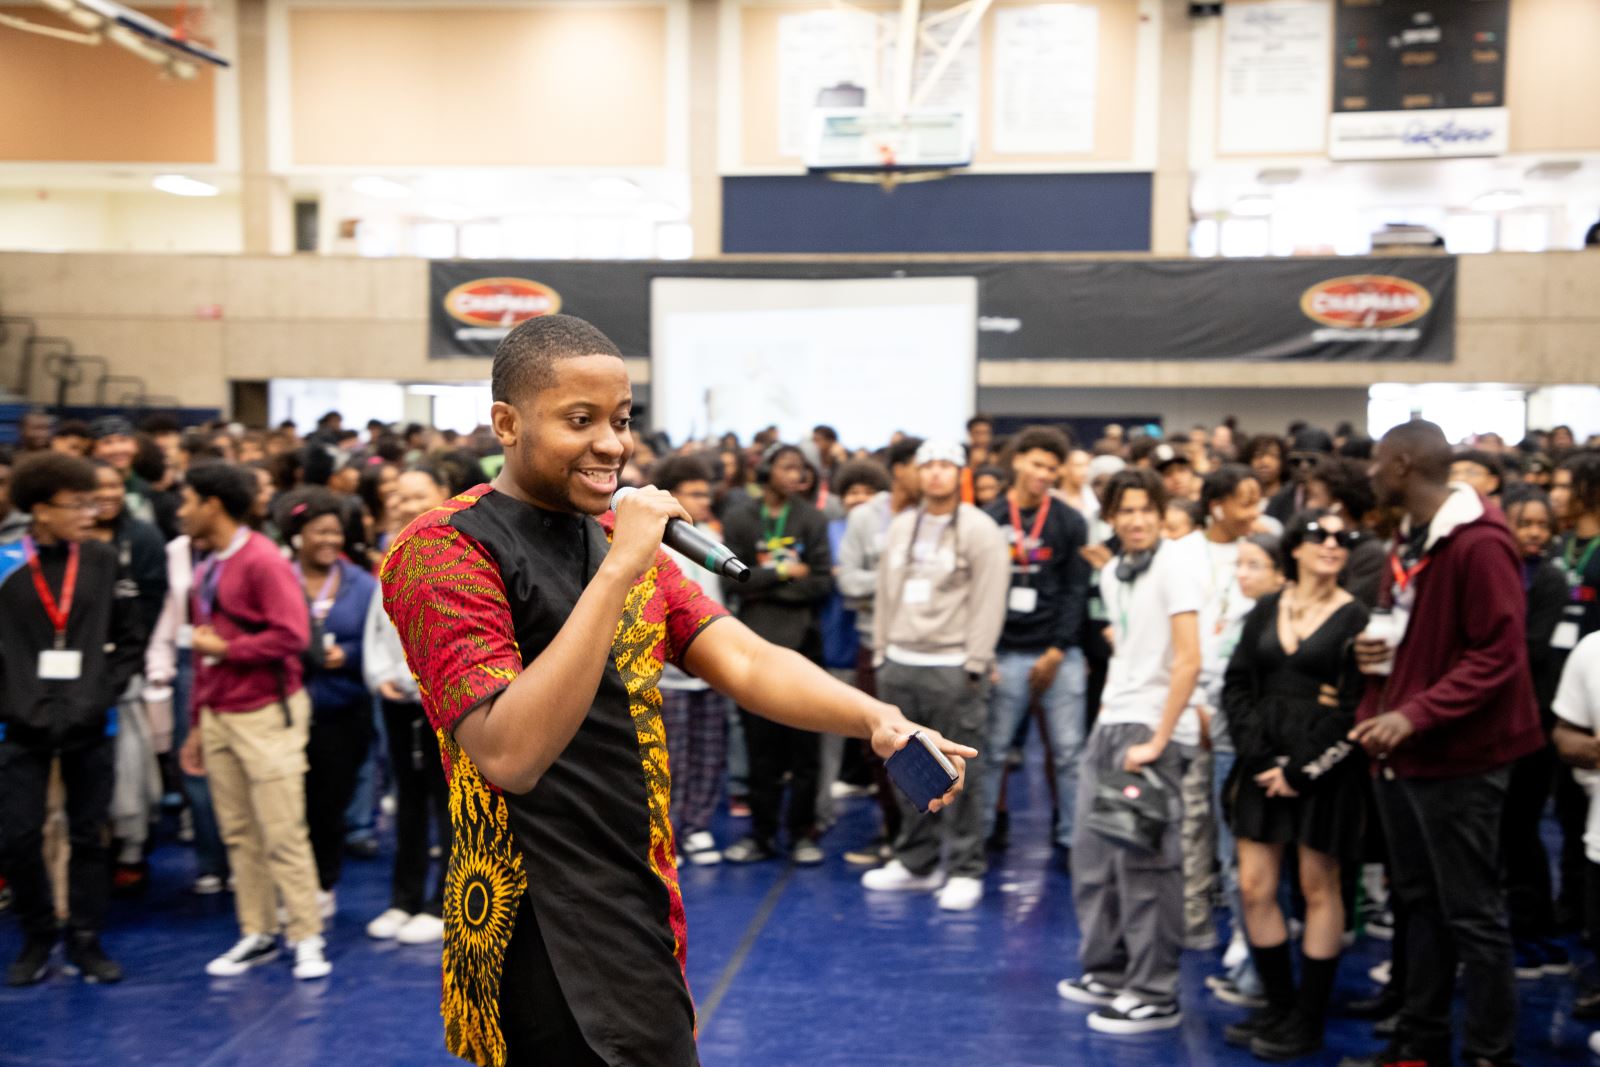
256, 764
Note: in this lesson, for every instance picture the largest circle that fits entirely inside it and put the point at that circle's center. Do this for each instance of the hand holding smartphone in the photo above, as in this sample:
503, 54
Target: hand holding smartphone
921, 771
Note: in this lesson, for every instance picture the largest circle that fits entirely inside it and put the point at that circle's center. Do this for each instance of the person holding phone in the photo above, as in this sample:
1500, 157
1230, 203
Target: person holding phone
939, 609
1129, 899
1290, 694
337, 595
537, 622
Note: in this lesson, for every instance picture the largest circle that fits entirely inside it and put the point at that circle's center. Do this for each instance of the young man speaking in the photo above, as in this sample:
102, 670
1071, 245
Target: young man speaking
537, 636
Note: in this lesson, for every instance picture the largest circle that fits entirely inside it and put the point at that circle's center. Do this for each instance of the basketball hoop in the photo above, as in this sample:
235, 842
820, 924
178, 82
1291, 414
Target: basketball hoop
887, 180
191, 21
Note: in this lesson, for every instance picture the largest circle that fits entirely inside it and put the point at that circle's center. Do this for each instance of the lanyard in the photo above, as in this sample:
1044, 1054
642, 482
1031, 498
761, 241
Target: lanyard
208, 584
1020, 550
916, 530
58, 613
776, 533
323, 605
1404, 576
1578, 567
1125, 591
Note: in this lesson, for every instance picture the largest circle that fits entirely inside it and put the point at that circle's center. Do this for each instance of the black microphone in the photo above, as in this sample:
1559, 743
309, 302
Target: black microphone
684, 538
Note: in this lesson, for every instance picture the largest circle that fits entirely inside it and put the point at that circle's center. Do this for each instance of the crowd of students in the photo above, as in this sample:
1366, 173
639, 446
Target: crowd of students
1362, 671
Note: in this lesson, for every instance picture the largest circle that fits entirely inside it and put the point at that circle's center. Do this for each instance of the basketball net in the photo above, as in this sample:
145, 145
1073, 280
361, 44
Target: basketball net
191, 21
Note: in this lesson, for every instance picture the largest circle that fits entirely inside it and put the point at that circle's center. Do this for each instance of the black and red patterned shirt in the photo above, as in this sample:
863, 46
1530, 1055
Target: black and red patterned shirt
477, 590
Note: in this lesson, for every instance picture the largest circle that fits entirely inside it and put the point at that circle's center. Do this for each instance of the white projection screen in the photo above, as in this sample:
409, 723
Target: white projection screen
867, 356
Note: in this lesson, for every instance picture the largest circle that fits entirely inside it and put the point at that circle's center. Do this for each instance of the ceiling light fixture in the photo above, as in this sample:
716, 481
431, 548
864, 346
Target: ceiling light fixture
180, 185
380, 188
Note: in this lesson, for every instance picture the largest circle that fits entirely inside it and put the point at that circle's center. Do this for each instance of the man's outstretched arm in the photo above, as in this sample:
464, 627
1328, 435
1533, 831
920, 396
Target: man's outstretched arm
785, 687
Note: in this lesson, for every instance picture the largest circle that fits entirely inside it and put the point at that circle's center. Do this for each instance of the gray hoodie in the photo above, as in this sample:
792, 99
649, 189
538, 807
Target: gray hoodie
946, 600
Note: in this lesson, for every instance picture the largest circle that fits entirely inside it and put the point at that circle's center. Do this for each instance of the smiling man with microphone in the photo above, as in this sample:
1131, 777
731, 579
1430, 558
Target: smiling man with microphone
537, 635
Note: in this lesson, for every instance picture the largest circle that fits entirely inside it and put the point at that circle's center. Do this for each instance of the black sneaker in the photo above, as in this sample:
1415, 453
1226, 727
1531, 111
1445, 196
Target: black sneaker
748, 850
1087, 990
1001, 837
1252, 1026
33, 962
1586, 1006
1128, 1015
85, 956
1296, 1037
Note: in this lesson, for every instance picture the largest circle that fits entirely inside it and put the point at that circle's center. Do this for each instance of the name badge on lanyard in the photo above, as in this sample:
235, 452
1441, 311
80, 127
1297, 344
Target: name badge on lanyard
1024, 599
58, 664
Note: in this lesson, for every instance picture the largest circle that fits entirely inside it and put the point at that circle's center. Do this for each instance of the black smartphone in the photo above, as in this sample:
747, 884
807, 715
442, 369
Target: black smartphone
922, 772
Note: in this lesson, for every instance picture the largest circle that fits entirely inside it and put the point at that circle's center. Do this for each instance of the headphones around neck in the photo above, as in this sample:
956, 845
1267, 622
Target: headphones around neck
1133, 564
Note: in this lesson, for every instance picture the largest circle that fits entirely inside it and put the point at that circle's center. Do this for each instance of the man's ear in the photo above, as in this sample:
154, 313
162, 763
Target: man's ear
507, 423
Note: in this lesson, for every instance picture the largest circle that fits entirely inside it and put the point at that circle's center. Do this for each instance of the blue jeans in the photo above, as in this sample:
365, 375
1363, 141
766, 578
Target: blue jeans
1063, 717
210, 855
1244, 975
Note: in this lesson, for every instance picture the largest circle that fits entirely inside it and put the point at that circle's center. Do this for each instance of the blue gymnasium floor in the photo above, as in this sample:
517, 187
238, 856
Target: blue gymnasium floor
789, 967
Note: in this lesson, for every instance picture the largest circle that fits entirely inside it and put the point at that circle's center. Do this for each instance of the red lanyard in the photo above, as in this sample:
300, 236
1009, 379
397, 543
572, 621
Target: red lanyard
1020, 549
1403, 577
58, 613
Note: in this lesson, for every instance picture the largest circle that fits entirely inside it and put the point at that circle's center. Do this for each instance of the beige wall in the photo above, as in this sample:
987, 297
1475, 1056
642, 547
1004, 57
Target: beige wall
1523, 319
540, 86
73, 103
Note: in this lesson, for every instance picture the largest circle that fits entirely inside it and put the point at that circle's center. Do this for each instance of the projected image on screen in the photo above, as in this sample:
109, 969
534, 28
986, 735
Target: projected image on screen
868, 357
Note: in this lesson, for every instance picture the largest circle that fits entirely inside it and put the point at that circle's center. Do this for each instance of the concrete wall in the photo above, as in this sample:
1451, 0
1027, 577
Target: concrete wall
1523, 320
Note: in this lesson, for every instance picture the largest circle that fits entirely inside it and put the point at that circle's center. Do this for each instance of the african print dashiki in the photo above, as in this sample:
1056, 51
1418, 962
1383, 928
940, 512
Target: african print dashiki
477, 589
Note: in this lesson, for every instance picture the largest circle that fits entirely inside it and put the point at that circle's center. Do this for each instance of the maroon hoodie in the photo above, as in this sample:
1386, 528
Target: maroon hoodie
1461, 671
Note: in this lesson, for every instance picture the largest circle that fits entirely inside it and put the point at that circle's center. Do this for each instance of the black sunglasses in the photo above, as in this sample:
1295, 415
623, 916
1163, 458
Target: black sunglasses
1315, 533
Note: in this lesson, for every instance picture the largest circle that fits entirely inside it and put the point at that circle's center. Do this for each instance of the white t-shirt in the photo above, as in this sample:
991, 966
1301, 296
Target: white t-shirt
1141, 619
1578, 702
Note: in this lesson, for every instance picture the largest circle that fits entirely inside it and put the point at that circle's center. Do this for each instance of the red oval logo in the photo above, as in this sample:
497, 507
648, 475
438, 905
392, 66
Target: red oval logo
500, 302
1366, 301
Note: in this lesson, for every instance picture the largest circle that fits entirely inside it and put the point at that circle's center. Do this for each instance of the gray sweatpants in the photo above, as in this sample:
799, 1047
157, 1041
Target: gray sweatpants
1129, 901
946, 700
1199, 853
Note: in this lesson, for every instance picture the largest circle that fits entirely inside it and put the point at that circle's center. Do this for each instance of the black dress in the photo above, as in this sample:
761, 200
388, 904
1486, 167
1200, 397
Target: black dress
1277, 719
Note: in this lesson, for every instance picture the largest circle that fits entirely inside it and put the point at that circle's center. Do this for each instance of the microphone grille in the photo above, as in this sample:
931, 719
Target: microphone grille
620, 495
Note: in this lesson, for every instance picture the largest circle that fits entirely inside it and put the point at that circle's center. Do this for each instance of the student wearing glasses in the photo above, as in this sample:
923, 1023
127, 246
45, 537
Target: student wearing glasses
68, 647
1290, 695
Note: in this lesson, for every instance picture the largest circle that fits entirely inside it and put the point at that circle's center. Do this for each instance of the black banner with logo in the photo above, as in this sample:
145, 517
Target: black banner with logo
1329, 309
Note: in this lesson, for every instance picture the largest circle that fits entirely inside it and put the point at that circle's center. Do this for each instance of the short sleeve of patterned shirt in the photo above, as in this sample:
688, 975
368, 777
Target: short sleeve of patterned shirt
446, 595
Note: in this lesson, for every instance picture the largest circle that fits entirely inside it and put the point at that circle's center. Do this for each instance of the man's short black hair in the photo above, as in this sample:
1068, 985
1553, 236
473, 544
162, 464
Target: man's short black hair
1427, 446
1127, 480
861, 472
674, 471
149, 461
979, 420
1487, 460
1222, 483
824, 430
42, 475
1260, 443
234, 486
1348, 484
902, 452
71, 428
524, 363
1046, 438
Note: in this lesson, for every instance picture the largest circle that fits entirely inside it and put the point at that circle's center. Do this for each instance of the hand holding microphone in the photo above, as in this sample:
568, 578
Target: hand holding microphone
680, 533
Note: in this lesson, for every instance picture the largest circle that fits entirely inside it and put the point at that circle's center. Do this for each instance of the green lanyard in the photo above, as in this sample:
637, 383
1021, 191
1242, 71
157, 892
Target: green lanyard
775, 533
1577, 568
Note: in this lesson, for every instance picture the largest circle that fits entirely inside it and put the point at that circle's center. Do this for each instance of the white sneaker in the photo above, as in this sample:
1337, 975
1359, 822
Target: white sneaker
1380, 973
421, 929
387, 925
327, 903
251, 951
388, 805
1594, 1042
893, 877
701, 848
207, 885
309, 962
1238, 952
961, 894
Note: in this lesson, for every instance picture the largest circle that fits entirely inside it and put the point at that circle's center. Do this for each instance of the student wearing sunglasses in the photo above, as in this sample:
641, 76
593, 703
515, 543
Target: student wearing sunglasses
1290, 695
